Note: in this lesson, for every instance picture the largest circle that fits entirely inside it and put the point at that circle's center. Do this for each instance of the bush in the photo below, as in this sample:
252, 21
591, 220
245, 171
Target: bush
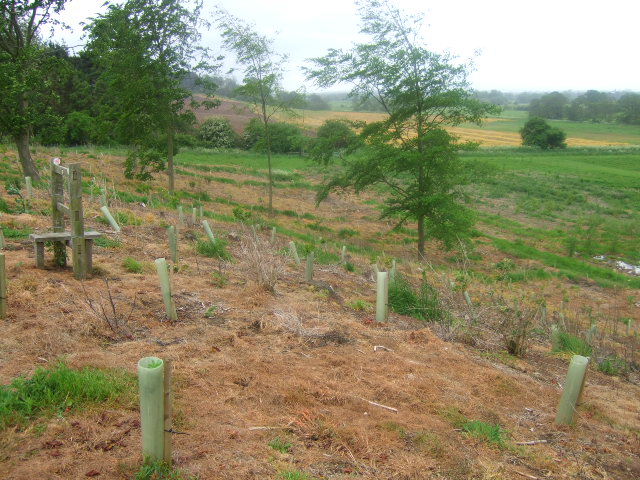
538, 133
215, 249
285, 137
422, 303
216, 132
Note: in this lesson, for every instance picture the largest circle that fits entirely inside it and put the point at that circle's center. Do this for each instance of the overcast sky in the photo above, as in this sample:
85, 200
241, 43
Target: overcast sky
523, 46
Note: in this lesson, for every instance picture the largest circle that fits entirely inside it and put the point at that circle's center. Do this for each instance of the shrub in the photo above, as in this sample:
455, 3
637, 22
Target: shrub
131, 265
215, 249
421, 303
516, 327
538, 133
219, 279
216, 132
57, 389
285, 137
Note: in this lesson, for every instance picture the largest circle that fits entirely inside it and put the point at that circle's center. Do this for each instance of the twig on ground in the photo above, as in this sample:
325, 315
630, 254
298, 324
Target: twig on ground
395, 410
531, 442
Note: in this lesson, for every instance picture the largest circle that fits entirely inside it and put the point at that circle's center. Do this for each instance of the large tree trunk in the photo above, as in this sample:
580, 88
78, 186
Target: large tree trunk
28, 165
170, 169
421, 236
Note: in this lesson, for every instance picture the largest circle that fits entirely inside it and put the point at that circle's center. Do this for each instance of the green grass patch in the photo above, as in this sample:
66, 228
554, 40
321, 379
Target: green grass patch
421, 302
132, 265
161, 471
281, 445
294, 475
60, 389
361, 306
491, 433
571, 344
613, 365
215, 249
107, 242
10, 232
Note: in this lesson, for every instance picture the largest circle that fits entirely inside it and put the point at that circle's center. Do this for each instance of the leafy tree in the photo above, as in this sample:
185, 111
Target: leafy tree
538, 133
22, 62
551, 105
146, 48
335, 138
593, 105
262, 68
629, 106
216, 132
316, 102
409, 151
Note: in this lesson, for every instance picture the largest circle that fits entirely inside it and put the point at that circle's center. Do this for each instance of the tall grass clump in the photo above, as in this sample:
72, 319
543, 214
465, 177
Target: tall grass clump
571, 344
215, 249
489, 432
58, 389
422, 303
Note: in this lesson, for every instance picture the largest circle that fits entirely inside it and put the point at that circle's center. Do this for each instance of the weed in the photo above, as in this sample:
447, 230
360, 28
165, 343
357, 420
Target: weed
161, 471
572, 344
212, 311
59, 389
13, 232
242, 214
506, 265
281, 445
490, 433
347, 233
422, 303
349, 267
131, 265
215, 249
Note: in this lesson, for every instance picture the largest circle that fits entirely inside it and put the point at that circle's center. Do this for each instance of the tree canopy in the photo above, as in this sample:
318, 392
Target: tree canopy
409, 151
538, 133
25, 68
146, 48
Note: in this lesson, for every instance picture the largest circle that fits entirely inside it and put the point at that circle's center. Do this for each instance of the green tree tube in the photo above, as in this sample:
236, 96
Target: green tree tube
165, 285
207, 229
293, 251
392, 272
29, 185
382, 296
1, 239
308, 271
173, 243
572, 389
151, 384
343, 254
273, 235
555, 338
467, 298
181, 215
200, 211
109, 217
103, 198
194, 215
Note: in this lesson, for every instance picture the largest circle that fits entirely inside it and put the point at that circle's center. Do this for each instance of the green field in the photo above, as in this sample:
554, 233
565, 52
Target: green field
513, 121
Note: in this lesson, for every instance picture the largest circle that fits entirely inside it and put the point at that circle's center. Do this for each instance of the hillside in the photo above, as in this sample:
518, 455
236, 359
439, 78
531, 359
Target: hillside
303, 364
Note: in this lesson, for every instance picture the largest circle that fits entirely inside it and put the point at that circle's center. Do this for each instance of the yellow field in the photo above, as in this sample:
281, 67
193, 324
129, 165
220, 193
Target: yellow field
309, 119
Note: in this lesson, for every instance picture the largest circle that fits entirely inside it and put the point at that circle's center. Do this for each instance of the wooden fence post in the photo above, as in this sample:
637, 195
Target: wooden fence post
57, 197
3, 287
79, 251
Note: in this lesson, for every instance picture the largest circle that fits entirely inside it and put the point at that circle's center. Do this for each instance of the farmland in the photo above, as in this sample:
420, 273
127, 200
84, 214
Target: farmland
277, 385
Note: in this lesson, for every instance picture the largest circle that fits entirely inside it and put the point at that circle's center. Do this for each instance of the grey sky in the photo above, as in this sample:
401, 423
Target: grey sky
541, 45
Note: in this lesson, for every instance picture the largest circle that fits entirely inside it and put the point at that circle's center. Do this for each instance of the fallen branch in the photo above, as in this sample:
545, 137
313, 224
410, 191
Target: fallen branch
526, 475
532, 442
395, 410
